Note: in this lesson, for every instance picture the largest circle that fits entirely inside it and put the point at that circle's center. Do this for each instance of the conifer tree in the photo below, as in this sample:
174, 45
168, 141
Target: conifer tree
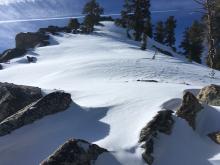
192, 43
170, 26
74, 24
93, 11
135, 16
127, 16
147, 17
211, 9
159, 34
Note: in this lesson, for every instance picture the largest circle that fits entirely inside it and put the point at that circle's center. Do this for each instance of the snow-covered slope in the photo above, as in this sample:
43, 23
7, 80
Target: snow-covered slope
101, 72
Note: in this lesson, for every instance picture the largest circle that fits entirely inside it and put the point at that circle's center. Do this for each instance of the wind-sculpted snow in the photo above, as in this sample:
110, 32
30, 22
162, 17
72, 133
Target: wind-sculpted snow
101, 71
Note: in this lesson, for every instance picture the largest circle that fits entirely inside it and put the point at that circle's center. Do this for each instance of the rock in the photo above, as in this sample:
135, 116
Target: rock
31, 40
153, 81
31, 59
161, 123
210, 95
189, 109
12, 53
48, 105
54, 30
1, 67
15, 97
149, 149
75, 152
215, 137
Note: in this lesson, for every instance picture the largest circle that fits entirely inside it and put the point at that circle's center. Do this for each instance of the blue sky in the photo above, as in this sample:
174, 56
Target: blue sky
28, 9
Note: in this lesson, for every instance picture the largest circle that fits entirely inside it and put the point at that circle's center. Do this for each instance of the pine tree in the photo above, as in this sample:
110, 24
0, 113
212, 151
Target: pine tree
159, 34
185, 44
135, 14
93, 12
170, 26
147, 18
192, 43
211, 9
74, 24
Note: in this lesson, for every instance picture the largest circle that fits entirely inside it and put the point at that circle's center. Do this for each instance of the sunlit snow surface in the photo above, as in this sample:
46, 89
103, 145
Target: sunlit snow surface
101, 72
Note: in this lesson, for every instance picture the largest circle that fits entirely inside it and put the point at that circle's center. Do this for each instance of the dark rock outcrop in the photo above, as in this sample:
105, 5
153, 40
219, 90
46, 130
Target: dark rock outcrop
54, 30
1, 67
161, 123
189, 109
31, 59
12, 53
15, 97
50, 104
153, 81
75, 152
210, 95
215, 137
31, 40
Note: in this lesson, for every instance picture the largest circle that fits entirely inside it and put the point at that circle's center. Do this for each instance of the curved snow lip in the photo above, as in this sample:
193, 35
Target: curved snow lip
52, 131
100, 71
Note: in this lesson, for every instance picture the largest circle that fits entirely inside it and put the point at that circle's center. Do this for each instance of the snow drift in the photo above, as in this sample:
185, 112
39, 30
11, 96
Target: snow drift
101, 72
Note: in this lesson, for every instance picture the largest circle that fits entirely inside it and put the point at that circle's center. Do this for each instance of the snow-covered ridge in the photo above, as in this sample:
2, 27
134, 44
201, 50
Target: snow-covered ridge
101, 72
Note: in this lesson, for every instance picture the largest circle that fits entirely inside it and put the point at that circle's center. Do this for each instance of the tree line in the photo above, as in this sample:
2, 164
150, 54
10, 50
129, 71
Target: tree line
136, 19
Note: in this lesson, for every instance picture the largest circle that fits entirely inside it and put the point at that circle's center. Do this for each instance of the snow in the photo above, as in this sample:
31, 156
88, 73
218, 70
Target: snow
111, 107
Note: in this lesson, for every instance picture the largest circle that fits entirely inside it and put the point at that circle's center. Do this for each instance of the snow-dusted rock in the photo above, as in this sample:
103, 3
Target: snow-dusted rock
50, 104
189, 109
54, 30
215, 137
161, 123
15, 97
11, 53
31, 59
75, 152
31, 40
210, 95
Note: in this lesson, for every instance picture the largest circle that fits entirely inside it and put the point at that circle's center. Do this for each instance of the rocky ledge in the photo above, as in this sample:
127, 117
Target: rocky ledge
75, 152
210, 95
215, 137
15, 97
11, 54
50, 104
189, 109
162, 123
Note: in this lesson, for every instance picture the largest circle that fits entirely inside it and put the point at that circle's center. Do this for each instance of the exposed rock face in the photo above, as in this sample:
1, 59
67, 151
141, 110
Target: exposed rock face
210, 95
50, 104
54, 30
31, 40
31, 59
161, 123
1, 67
215, 137
75, 152
15, 97
189, 109
12, 53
